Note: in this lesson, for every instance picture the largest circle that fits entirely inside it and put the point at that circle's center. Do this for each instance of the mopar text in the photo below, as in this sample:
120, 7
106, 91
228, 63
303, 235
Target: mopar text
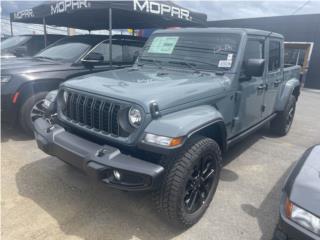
64, 6
161, 9
24, 14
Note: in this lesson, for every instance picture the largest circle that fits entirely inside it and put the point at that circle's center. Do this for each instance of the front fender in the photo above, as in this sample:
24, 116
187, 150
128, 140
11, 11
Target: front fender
32, 87
285, 93
184, 122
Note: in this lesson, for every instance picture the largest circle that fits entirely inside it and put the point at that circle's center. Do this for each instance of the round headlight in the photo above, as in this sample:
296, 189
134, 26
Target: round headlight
135, 117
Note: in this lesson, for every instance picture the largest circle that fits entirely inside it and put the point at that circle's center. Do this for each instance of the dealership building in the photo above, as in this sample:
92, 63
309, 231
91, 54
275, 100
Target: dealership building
302, 36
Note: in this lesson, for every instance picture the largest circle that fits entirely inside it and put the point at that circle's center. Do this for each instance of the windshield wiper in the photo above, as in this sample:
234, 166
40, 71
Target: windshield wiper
190, 65
150, 60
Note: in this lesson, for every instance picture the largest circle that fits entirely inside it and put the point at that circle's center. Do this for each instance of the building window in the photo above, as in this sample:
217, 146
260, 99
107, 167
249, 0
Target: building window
274, 56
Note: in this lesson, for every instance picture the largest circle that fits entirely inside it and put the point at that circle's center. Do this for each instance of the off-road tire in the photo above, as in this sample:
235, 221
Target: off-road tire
281, 124
25, 111
170, 196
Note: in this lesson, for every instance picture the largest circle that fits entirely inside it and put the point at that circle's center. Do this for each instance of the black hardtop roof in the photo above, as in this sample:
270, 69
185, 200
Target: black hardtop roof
247, 31
94, 15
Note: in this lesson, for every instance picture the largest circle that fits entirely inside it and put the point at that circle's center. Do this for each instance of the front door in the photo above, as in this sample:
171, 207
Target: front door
251, 89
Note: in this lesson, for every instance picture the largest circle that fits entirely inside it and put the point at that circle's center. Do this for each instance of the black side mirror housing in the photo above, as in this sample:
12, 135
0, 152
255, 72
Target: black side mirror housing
93, 57
254, 67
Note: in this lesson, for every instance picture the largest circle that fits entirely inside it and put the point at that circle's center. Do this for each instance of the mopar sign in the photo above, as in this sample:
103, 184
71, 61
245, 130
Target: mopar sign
23, 14
64, 6
161, 9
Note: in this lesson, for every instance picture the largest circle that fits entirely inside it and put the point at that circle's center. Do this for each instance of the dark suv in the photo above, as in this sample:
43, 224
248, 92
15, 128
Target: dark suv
26, 45
26, 81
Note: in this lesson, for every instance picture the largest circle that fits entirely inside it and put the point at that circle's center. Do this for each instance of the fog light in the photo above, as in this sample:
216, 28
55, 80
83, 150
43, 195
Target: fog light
117, 175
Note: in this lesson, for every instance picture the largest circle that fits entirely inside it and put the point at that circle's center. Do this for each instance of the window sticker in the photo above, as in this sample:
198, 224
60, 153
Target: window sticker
226, 63
163, 45
230, 57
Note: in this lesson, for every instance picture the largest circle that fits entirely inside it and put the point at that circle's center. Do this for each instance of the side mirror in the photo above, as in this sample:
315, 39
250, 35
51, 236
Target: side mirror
254, 67
20, 51
93, 57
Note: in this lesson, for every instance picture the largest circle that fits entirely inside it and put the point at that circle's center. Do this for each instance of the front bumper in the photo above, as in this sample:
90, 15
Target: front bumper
97, 161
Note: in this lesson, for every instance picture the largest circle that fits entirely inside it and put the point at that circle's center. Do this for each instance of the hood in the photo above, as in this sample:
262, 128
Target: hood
29, 64
168, 88
305, 191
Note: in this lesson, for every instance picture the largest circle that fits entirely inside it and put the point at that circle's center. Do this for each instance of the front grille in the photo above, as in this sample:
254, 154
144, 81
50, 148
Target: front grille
93, 113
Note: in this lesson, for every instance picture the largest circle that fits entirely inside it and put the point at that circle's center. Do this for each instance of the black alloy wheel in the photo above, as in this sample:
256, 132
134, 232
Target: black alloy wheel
199, 184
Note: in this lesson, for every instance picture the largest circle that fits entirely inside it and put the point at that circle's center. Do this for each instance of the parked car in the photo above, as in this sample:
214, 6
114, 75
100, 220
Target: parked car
26, 81
300, 200
163, 124
25, 45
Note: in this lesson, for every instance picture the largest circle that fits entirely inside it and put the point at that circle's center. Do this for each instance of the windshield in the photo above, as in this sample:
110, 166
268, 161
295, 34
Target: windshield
64, 50
206, 51
13, 41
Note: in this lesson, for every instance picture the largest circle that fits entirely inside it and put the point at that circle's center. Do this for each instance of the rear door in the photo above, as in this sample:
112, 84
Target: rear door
274, 75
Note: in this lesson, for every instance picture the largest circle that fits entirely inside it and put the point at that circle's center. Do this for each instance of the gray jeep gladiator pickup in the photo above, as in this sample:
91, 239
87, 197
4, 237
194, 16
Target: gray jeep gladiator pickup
163, 124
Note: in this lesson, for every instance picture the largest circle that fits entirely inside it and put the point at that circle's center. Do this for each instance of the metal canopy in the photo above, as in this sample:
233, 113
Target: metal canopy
98, 15
94, 15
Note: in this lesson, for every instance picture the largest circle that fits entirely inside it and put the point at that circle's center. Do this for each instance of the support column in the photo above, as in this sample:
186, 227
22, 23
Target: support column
110, 37
45, 32
11, 27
